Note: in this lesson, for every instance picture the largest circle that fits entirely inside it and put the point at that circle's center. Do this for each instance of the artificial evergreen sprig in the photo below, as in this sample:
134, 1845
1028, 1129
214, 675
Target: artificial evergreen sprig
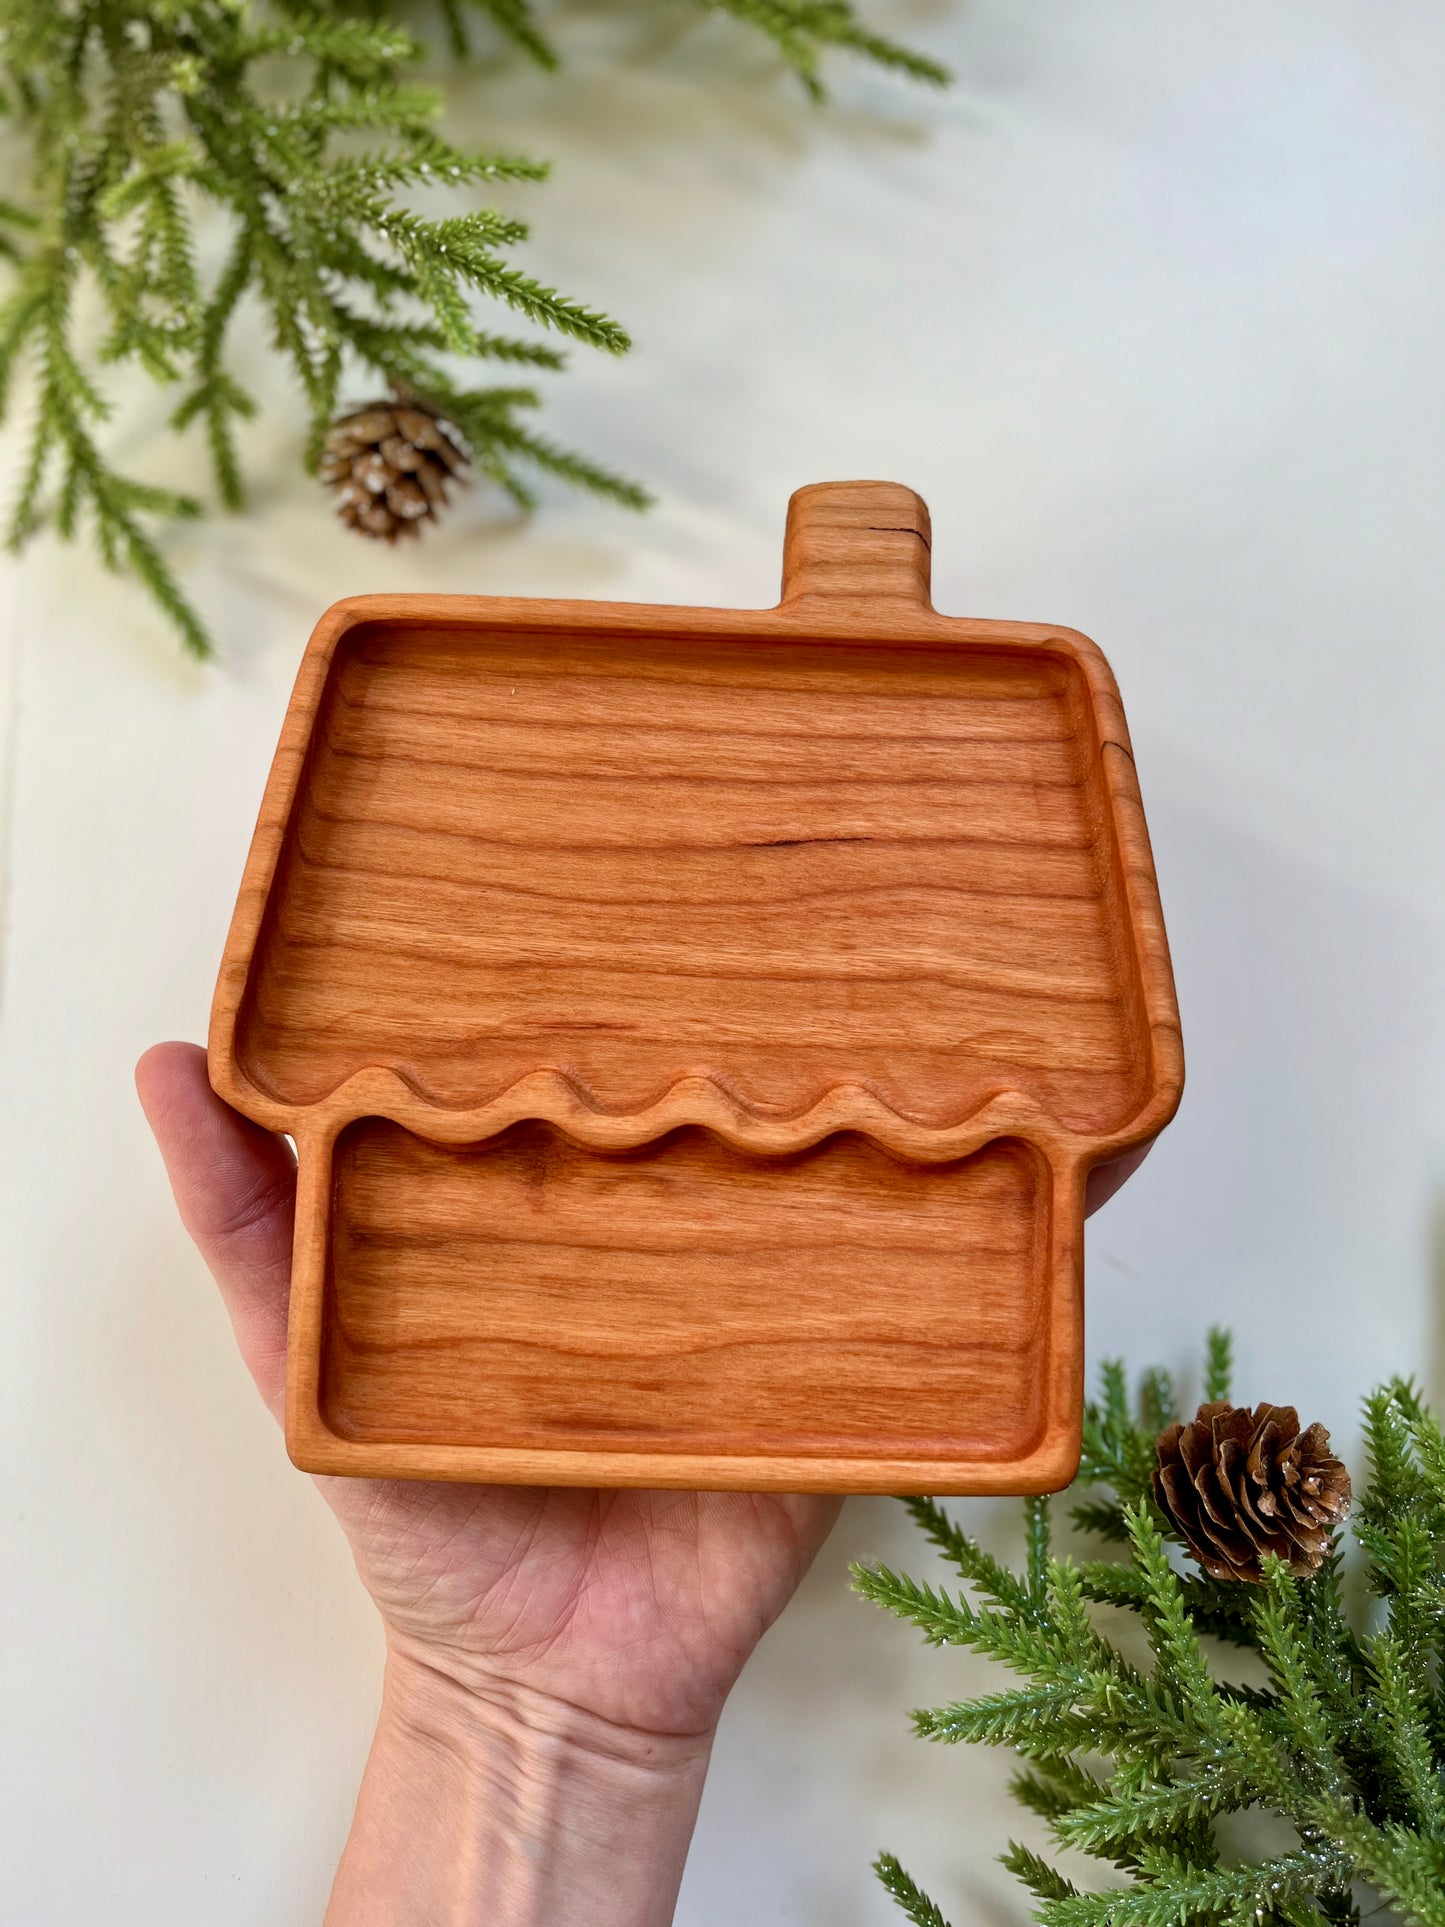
300, 121
802, 30
1341, 1735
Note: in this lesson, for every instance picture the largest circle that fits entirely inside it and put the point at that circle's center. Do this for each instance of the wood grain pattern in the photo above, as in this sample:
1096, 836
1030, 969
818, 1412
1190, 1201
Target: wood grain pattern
652, 902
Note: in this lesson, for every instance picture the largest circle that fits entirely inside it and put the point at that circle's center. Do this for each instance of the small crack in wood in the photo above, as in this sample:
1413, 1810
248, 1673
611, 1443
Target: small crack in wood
797, 842
897, 528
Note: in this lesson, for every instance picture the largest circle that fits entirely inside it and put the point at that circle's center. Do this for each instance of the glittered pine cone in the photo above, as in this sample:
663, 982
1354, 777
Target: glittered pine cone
389, 464
1238, 1485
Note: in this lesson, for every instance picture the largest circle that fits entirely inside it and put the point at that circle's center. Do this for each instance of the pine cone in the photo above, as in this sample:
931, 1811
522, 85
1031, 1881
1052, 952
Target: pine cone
389, 464
1238, 1484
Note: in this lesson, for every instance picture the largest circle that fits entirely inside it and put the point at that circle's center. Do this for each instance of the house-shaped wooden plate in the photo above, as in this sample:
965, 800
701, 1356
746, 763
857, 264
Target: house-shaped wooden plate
697, 1027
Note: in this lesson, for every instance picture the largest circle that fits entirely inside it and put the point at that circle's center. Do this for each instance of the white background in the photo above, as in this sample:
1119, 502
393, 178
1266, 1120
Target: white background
1150, 308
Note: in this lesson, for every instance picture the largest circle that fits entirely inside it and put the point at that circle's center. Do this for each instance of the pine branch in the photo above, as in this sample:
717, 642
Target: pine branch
1104, 1518
1137, 1768
1173, 1893
1043, 1881
1161, 1808
1116, 1451
1040, 1721
1039, 1535
1406, 1869
1182, 1666
983, 1571
515, 22
487, 418
943, 1621
912, 1899
1218, 1365
803, 29
1404, 1729
299, 123
1286, 1654
1054, 1786
1212, 1607
1158, 1401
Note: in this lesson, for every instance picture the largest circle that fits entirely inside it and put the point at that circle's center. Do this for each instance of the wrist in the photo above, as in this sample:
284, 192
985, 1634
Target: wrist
470, 1699
485, 1800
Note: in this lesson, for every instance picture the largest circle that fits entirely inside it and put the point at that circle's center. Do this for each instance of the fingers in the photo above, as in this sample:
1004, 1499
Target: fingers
1105, 1179
235, 1188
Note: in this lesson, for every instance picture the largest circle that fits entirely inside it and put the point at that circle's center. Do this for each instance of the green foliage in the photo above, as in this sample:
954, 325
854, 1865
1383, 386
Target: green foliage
914, 1902
1340, 1735
301, 120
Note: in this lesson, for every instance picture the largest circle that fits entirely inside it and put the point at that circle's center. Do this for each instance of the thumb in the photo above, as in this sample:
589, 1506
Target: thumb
235, 1188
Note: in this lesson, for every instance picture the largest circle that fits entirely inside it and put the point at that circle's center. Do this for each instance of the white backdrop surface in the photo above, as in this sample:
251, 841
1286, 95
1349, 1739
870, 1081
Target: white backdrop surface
1149, 307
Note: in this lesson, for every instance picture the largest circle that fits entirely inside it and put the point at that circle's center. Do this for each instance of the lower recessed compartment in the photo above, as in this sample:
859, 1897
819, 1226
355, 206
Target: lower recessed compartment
686, 1298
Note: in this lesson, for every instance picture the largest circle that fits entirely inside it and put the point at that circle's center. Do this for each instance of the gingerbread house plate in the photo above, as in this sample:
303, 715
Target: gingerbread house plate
697, 1027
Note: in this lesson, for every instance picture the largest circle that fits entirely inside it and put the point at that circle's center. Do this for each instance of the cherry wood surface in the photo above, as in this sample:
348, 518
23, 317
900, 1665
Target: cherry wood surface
697, 1027
598, 1301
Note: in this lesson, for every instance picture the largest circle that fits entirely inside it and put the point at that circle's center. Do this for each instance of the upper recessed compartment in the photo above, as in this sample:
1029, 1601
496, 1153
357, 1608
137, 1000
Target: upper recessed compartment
783, 864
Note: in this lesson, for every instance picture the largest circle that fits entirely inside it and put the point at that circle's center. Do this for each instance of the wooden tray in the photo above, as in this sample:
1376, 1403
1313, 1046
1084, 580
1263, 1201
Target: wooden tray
697, 1026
